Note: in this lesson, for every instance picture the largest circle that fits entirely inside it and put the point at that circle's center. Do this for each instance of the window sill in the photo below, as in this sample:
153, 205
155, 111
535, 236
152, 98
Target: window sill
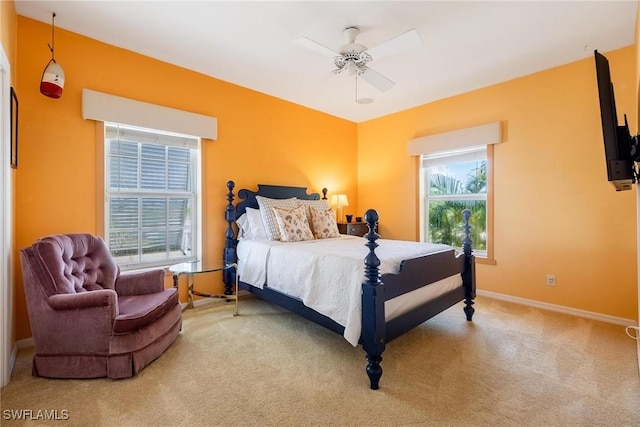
147, 267
144, 269
486, 261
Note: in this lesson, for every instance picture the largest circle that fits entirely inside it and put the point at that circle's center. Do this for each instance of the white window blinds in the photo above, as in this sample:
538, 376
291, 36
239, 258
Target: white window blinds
150, 210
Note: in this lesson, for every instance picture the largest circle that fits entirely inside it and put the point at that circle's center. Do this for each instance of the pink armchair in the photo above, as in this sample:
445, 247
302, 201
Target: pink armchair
87, 319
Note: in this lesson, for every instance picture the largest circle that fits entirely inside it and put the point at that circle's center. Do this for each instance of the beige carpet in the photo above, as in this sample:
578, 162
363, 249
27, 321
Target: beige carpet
512, 366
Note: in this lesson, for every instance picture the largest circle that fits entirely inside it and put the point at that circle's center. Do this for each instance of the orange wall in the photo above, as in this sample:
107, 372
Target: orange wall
554, 211
261, 139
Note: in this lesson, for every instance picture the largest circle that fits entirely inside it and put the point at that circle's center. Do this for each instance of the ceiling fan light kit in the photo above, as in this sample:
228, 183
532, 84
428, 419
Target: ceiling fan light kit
353, 58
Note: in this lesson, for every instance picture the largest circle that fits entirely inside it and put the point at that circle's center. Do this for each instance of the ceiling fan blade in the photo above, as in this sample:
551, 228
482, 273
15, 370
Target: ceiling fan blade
315, 46
405, 41
377, 80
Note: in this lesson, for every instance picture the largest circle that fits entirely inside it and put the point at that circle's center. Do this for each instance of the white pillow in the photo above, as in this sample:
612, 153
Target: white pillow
254, 219
244, 230
268, 217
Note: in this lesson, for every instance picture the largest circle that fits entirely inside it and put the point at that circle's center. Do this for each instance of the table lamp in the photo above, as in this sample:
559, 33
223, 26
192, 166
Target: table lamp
339, 200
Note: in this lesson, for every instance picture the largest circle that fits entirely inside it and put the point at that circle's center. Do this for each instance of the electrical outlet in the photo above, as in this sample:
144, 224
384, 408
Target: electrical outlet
551, 280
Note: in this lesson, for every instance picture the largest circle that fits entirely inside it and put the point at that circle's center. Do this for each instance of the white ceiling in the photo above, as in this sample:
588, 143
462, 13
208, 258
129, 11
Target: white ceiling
466, 44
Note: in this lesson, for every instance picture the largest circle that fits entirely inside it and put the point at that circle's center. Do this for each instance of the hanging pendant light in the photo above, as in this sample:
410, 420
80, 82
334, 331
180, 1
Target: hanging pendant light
52, 81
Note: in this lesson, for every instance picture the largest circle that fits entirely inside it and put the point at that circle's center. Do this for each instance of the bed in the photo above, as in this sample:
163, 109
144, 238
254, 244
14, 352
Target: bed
372, 300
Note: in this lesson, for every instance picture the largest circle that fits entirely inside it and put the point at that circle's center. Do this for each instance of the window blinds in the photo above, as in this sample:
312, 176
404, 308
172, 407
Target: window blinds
150, 196
455, 156
126, 133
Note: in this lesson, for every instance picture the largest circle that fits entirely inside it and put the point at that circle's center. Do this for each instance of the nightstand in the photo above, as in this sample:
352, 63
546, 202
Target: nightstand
354, 228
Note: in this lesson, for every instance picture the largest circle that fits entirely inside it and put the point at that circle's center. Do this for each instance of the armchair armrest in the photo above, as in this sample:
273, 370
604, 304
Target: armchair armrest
145, 282
84, 300
77, 323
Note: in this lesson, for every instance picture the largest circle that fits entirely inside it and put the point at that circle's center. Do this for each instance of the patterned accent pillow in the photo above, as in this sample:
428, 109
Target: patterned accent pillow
323, 223
268, 217
293, 224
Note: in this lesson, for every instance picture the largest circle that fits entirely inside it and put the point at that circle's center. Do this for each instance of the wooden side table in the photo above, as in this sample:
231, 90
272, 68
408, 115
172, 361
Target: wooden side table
354, 228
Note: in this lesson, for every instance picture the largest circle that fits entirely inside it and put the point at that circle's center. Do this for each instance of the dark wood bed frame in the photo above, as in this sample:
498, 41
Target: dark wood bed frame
414, 273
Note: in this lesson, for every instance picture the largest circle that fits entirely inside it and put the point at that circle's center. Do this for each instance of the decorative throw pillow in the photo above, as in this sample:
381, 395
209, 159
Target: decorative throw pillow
293, 224
323, 223
256, 226
268, 217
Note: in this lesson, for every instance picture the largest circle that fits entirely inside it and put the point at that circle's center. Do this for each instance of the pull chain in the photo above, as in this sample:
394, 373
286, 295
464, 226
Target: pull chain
53, 40
356, 88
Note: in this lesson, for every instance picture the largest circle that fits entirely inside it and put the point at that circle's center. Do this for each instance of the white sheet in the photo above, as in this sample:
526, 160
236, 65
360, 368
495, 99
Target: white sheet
327, 274
252, 261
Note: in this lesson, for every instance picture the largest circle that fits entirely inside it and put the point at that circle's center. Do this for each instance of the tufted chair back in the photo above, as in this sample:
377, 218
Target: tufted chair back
75, 263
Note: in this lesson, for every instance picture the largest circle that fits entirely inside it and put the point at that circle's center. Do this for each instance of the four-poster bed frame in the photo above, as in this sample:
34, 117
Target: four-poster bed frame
376, 289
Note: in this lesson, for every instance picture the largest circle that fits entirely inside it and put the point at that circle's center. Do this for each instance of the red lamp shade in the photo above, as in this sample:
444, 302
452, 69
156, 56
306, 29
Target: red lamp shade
52, 80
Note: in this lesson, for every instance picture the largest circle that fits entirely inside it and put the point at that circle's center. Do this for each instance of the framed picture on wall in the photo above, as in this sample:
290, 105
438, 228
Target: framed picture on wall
14, 129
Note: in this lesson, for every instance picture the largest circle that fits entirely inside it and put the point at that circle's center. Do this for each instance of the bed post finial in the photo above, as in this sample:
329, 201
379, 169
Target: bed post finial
229, 255
324, 193
468, 276
373, 321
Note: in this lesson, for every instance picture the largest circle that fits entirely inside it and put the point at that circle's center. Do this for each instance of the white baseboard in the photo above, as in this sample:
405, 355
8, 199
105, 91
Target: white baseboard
558, 308
24, 343
12, 359
638, 357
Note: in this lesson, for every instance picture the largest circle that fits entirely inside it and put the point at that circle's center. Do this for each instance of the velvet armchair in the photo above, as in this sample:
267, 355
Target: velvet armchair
87, 319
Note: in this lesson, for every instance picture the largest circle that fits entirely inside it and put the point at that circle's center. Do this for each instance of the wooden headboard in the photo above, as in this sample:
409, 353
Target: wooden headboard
248, 200
248, 197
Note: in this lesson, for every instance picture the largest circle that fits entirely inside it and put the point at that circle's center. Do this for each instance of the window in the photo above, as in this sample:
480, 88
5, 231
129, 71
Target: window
452, 181
151, 181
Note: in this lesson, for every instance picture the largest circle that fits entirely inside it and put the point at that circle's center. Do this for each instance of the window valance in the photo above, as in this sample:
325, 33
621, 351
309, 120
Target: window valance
110, 108
490, 133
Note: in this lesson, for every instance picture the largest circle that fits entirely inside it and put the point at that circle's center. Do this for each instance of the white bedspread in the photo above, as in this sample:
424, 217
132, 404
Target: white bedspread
326, 274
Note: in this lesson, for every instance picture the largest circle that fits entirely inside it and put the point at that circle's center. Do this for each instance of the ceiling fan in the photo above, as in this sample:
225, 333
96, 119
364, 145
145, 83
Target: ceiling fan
353, 58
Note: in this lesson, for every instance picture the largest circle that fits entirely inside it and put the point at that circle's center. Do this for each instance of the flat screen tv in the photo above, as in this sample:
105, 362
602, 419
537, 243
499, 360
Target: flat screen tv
619, 146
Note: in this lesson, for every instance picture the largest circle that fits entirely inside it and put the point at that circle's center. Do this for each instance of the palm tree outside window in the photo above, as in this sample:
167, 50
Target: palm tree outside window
452, 181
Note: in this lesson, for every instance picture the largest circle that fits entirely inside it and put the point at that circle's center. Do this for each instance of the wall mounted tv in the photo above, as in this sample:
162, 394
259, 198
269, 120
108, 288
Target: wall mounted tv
620, 148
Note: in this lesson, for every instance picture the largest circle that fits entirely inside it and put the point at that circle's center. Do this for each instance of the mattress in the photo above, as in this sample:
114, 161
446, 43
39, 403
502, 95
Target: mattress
327, 274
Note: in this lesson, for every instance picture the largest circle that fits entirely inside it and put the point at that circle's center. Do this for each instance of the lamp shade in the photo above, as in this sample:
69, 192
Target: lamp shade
52, 81
339, 200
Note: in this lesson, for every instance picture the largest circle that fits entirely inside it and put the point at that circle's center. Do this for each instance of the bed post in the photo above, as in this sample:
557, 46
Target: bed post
229, 242
469, 273
373, 322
